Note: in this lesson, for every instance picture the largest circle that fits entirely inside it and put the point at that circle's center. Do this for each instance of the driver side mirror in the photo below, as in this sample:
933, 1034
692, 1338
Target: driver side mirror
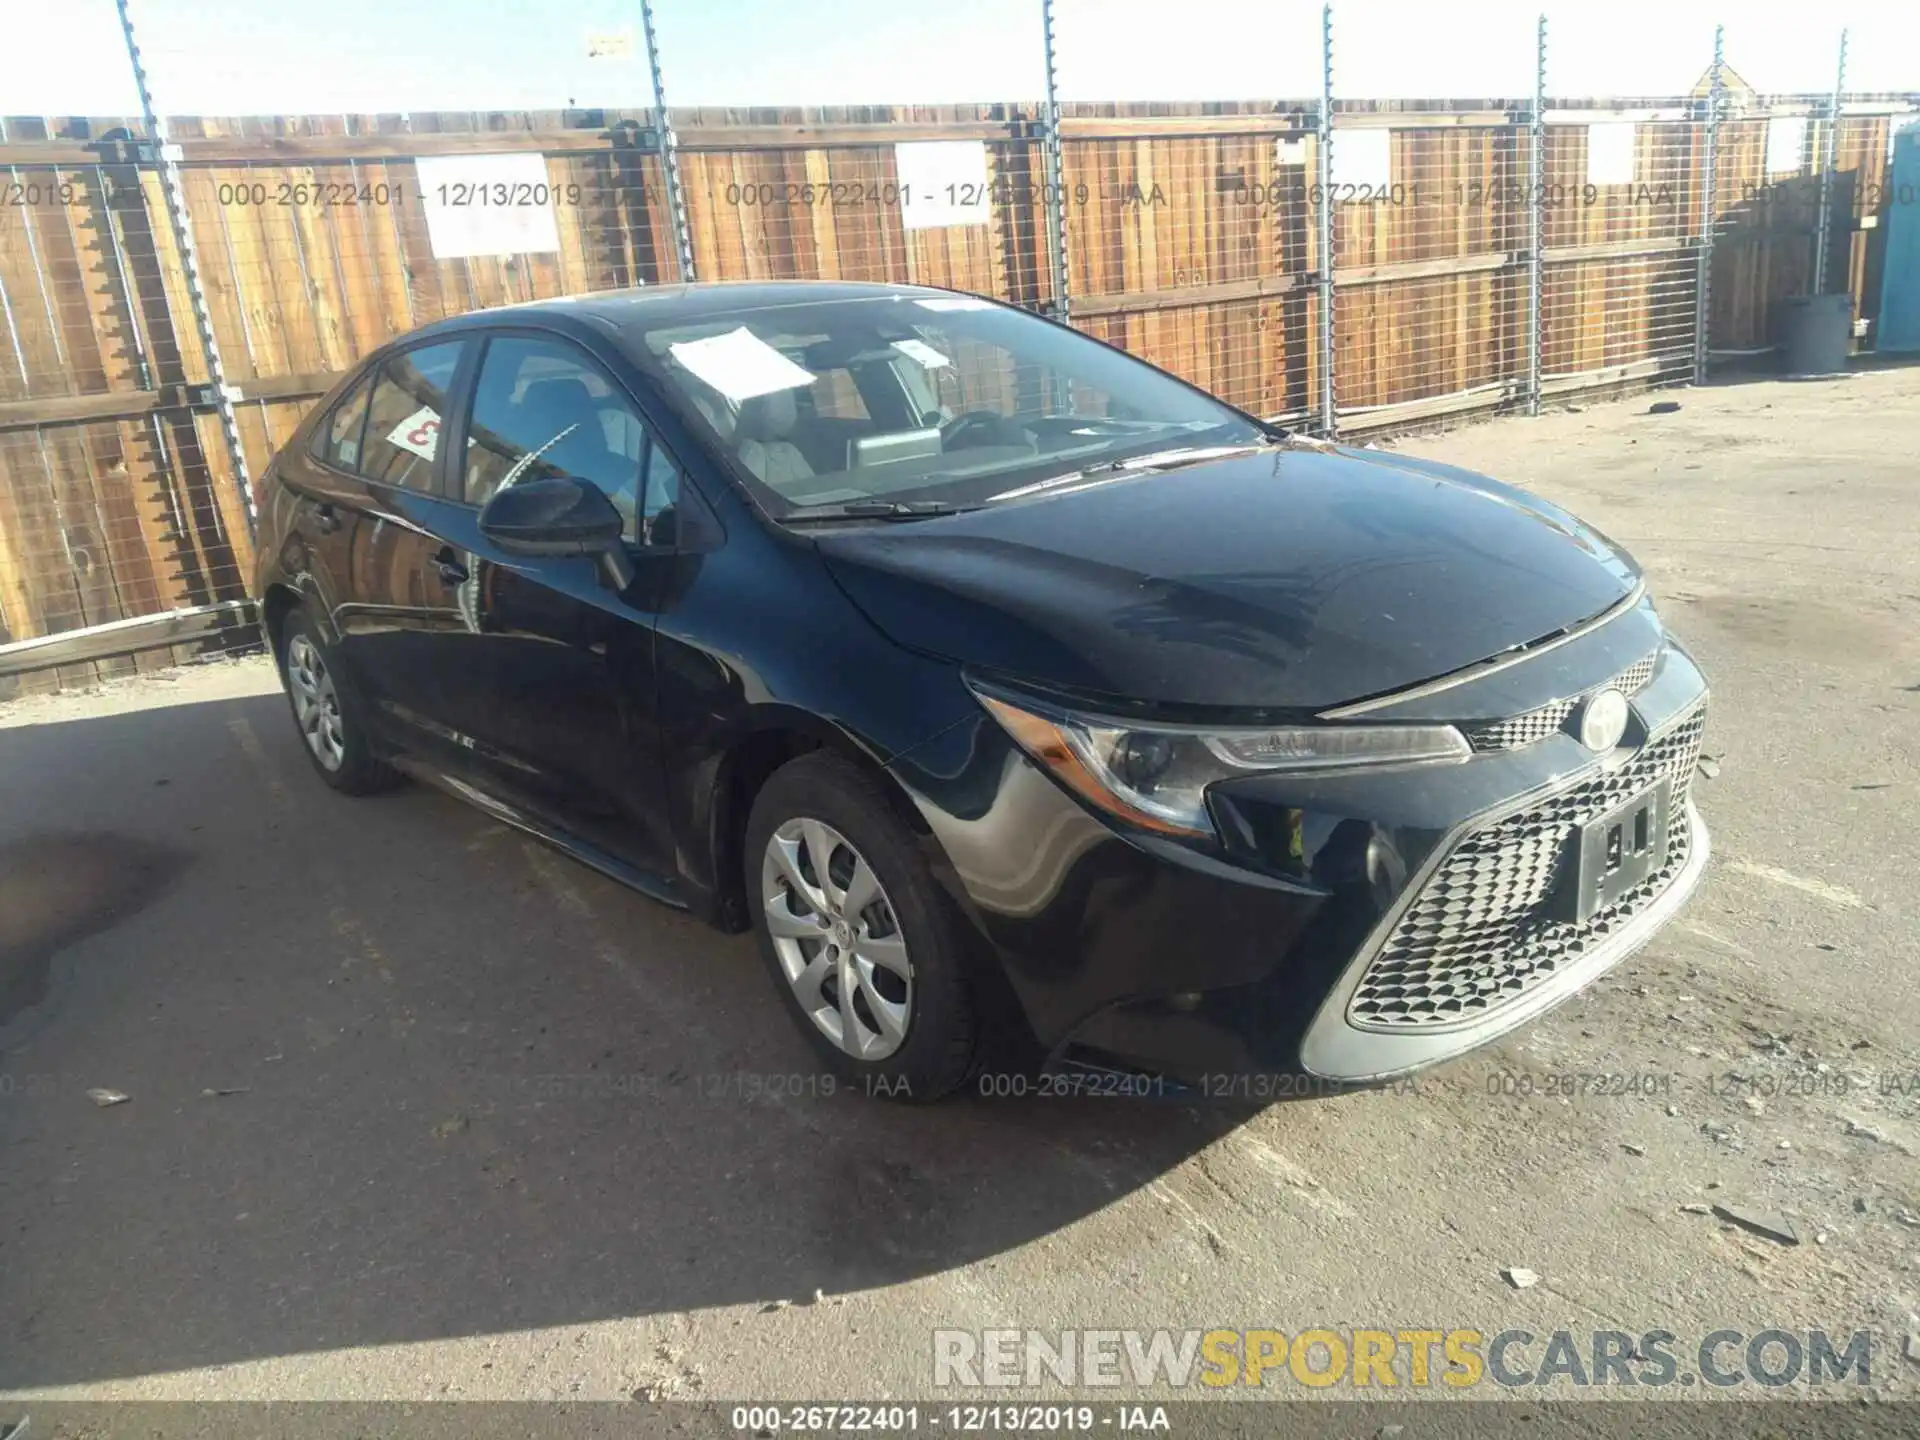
559, 515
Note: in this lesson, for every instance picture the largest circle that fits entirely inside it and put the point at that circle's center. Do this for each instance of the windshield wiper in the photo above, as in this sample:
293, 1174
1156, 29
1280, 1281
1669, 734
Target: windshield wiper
1180, 455
1154, 460
872, 510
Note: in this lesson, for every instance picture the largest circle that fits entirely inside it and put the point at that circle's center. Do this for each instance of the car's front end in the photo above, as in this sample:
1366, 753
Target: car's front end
1342, 924
1340, 890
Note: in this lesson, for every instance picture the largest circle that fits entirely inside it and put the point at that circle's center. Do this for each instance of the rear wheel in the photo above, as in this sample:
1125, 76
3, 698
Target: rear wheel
328, 713
862, 943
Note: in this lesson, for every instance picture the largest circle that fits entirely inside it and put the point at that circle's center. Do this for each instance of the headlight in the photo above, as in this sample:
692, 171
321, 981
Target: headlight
1157, 776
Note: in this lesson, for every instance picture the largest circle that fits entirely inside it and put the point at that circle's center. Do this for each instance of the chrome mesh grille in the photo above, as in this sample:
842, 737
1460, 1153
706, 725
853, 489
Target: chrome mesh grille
1481, 932
1537, 724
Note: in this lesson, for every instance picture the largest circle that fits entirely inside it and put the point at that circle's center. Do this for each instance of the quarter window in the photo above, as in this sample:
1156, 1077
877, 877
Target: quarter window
403, 422
542, 409
337, 443
660, 514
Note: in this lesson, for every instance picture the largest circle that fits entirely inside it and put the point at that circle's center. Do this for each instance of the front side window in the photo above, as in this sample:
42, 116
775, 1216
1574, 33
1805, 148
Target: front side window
918, 398
541, 409
403, 421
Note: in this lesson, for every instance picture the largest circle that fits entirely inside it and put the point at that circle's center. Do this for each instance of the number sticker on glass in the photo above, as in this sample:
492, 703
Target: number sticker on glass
418, 434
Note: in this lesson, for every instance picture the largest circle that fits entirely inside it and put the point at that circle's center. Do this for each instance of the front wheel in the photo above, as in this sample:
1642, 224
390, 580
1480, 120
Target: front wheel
862, 943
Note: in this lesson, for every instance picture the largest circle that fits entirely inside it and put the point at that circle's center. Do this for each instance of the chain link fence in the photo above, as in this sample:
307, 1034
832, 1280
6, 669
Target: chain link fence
1342, 264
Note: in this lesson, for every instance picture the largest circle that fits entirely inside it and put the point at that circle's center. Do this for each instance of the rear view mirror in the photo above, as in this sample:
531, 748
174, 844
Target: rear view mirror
559, 516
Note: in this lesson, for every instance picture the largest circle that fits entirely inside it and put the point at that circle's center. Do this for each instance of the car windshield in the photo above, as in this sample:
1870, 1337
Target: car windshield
912, 403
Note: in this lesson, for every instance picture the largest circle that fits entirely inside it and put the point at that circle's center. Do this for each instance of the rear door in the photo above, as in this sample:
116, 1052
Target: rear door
324, 479
400, 596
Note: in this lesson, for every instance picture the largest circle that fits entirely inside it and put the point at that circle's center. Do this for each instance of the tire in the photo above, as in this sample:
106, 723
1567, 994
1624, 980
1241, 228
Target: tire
914, 1034
328, 712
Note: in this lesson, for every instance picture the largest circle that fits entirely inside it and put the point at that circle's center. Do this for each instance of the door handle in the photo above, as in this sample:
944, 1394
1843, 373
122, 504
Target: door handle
325, 518
452, 572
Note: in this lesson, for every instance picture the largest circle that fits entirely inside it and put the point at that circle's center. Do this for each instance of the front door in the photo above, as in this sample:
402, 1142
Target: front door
550, 675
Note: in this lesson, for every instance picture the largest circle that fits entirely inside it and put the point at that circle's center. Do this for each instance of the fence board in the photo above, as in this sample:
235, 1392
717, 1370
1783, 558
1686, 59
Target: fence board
1191, 240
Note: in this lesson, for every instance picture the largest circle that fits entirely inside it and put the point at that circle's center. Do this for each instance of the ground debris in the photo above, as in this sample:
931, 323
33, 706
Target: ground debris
1709, 767
1764, 1223
1520, 1278
104, 1097
212, 1094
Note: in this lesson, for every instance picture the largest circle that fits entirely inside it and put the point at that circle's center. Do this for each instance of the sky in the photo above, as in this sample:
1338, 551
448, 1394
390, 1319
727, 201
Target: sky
281, 57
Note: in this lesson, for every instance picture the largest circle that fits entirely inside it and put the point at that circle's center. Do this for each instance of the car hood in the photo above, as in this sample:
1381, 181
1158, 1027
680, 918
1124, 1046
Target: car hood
1297, 577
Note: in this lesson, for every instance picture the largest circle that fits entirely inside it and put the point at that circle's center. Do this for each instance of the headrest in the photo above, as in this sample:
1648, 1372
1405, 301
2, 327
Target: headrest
561, 397
768, 417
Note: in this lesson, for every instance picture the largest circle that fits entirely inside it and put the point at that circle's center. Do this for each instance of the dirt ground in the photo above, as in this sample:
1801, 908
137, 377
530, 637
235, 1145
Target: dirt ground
418, 1109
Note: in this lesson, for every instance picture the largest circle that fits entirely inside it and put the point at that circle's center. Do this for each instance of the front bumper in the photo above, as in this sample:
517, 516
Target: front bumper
1258, 957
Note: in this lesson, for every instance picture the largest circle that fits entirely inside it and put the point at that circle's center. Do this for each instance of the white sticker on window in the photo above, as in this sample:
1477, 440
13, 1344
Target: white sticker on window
955, 302
929, 358
1610, 153
418, 434
740, 365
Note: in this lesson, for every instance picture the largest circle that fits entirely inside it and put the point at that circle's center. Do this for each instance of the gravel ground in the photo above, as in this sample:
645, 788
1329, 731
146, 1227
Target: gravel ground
419, 1109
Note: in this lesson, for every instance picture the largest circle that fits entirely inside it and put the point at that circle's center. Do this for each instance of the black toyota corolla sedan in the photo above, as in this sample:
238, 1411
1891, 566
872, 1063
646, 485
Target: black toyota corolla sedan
1000, 682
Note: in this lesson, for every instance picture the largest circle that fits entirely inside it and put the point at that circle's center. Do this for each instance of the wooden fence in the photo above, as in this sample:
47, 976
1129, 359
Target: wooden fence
1192, 237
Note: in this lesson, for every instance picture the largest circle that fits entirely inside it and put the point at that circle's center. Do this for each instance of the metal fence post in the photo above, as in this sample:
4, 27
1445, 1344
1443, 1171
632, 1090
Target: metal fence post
1709, 204
1536, 215
1824, 220
669, 149
1056, 184
1323, 144
181, 222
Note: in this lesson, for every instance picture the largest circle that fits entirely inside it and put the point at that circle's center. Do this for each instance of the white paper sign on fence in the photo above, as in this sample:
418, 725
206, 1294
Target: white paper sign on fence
1362, 164
1610, 150
1786, 144
487, 205
942, 182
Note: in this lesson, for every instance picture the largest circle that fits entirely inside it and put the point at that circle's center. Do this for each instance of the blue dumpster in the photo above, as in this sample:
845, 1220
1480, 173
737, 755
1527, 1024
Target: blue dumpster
1900, 281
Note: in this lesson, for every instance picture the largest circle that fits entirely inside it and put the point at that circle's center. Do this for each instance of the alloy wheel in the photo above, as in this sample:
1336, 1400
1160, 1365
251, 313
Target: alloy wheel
837, 938
316, 703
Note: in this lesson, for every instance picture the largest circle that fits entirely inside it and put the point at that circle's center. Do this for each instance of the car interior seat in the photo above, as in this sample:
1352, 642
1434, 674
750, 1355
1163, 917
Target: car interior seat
564, 404
766, 444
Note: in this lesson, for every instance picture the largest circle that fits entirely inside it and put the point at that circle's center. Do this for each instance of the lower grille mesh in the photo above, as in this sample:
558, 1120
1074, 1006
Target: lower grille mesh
1481, 932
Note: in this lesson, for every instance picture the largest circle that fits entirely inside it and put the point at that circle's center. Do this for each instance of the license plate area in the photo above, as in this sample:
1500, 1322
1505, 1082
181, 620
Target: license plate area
1615, 852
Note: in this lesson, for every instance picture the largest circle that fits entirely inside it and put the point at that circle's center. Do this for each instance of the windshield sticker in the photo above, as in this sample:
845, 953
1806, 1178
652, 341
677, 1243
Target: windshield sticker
418, 434
955, 302
740, 365
929, 358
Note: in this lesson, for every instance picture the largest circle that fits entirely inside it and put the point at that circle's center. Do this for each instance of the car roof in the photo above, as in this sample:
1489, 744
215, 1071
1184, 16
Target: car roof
625, 311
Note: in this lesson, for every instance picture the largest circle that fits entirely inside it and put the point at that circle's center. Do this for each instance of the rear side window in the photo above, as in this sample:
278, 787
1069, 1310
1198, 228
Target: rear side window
404, 418
337, 442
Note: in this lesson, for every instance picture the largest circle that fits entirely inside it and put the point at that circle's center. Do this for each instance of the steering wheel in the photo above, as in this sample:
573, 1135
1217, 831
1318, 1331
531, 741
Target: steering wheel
991, 426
